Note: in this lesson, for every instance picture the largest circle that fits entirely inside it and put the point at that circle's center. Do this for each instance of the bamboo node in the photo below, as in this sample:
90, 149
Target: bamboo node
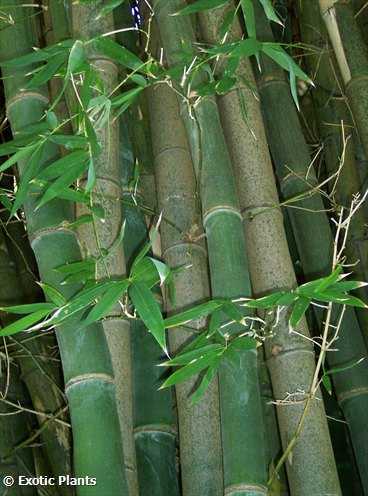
221, 209
25, 94
83, 378
246, 488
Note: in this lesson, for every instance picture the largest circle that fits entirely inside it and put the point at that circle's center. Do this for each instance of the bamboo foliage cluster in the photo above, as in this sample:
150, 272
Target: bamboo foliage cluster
164, 224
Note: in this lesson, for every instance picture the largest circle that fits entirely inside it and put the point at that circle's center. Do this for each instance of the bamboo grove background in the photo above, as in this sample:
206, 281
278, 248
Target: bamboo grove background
183, 247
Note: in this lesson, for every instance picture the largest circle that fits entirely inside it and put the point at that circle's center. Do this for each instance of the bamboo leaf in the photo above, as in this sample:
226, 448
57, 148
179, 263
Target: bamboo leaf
106, 302
185, 358
24, 323
149, 311
118, 53
63, 164
193, 313
77, 57
270, 11
162, 269
30, 307
91, 176
300, 307
53, 294
30, 171
42, 76
191, 369
38, 55
21, 154
329, 280
71, 142
206, 381
82, 300
109, 7
61, 183
71, 268
249, 17
200, 6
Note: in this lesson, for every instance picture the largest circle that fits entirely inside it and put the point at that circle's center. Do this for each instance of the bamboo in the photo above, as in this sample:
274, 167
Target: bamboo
290, 359
331, 111
85, 25
241, 421
154, 426
41, 375
199, 425
352, 58
90, 387
14, 429
314, 239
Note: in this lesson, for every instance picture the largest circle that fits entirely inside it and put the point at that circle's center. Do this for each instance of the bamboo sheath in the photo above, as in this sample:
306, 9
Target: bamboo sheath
290, 357
352, 57
109, 190
243, 439
90, 387
314, 239
199, 424
331, 111
154, 422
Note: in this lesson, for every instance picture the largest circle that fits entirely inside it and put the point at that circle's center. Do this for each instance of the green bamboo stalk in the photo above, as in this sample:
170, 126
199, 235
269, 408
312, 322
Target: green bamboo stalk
41, 375
154, 422
90, 386
241, 421
352, 57
86, 25
331, 110
199, 425
290, 359
314, 239
14, 429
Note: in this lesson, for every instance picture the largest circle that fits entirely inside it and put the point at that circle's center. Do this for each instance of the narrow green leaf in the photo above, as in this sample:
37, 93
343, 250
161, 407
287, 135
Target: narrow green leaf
42, 76
329, 280
191, 369
29, 308
91, 177
249, 17
61, 183
300, 307
118, 53
77, 57
71, 268
24, 323
29, 172
206, 381
21, 154
149, 311
106, 302
326, 381
71, 142
109, 6
53, 294
63, 164
194, 313
270, 11
200, 6
185, 358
